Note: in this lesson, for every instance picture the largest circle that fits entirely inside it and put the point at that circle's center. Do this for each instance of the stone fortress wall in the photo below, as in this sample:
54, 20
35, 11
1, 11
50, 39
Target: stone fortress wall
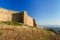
27, 19
8, 15
4, 16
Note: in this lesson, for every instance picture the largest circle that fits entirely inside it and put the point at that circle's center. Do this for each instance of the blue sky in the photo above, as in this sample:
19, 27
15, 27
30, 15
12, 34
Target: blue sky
46, 12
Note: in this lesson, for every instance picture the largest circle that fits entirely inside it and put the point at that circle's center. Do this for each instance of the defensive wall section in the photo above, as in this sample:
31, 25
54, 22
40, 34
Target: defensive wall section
22, 17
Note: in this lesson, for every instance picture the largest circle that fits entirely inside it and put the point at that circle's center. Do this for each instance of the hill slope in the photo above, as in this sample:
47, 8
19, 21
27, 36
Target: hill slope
11, 32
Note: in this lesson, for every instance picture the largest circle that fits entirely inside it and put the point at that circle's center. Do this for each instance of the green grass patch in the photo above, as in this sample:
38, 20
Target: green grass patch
11, 23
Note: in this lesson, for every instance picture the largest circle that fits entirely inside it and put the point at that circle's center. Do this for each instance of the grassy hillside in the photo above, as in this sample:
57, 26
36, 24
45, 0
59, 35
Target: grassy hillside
18, 31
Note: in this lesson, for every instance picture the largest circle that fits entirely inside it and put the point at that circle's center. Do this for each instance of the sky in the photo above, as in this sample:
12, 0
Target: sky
45, 12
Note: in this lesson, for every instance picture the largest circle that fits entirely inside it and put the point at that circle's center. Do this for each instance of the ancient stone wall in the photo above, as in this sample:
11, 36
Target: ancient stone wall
16, 17
34, 23
7, 15
28, 20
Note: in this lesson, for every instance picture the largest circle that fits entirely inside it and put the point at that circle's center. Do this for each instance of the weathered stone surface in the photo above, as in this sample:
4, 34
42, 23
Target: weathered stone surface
8, 15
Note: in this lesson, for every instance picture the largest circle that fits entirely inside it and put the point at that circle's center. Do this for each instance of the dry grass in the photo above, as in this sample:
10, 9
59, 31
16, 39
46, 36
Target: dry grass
9, 32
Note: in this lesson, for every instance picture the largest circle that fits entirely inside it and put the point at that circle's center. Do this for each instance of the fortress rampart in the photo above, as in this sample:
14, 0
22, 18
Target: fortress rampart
22, 17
